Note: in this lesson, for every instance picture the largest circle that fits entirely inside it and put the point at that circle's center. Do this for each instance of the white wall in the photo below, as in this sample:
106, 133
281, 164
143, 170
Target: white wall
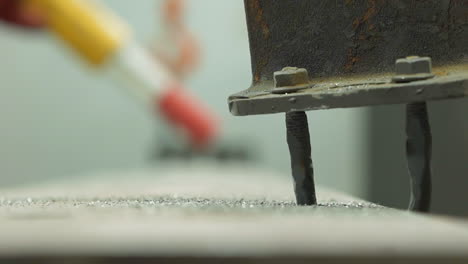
59, 120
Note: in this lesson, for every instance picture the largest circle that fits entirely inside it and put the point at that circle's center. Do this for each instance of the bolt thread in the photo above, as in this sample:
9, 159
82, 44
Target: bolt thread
418, 153
301, 162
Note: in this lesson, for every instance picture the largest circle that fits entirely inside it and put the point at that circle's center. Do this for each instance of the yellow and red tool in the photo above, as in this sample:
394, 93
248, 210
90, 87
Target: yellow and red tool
104, 41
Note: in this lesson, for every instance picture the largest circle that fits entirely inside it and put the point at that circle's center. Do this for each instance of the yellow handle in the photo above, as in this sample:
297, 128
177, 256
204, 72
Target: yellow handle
90, 29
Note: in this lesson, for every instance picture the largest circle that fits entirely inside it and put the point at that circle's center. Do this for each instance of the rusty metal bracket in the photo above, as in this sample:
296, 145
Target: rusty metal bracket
349, 49
314, 54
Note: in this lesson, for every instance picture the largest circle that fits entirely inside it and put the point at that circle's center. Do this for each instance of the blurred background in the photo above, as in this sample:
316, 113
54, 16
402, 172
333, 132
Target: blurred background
60, 121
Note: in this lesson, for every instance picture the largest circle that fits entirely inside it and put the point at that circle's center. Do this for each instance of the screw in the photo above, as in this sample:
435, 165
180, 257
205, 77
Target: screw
418, 132
413, 68
301, 161
290, 79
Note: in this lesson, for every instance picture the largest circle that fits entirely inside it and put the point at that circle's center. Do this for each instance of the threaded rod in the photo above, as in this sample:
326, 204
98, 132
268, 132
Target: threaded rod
301, 162
418, 153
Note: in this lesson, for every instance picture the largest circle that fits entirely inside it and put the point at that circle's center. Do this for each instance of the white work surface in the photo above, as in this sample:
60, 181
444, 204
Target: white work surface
206, 213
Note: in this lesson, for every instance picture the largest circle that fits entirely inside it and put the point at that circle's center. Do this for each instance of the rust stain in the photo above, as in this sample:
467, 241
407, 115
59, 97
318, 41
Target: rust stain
351, 59
260, 26
362, 25
259, 20
356, 23
371, 11
441, 73
256, 77
261, 62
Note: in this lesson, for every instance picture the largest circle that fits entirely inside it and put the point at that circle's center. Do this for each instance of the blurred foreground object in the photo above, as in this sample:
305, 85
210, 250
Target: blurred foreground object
15, 12
179, 49
314, 55
104, 41
176, 47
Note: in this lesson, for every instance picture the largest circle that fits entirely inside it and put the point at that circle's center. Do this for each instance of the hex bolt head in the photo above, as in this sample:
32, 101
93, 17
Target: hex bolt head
413, 65
291, 76
413, 68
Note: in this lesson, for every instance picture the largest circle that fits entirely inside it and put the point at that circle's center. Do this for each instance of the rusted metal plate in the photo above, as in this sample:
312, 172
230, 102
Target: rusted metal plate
341, 94
349, 48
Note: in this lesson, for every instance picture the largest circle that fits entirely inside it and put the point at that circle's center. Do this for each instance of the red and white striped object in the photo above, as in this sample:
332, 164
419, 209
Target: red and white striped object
158, 87
183, 110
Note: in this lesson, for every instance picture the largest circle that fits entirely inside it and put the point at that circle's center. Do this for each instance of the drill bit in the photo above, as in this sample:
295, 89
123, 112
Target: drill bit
418, 153
301, 162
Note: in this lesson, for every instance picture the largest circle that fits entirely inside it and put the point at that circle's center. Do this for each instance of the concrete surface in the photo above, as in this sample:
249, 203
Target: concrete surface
208, 215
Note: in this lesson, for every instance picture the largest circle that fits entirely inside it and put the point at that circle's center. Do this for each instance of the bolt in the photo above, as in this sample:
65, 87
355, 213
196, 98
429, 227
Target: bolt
301, 161
413, 68
291, 76
413, 65
418, 143
290, 80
